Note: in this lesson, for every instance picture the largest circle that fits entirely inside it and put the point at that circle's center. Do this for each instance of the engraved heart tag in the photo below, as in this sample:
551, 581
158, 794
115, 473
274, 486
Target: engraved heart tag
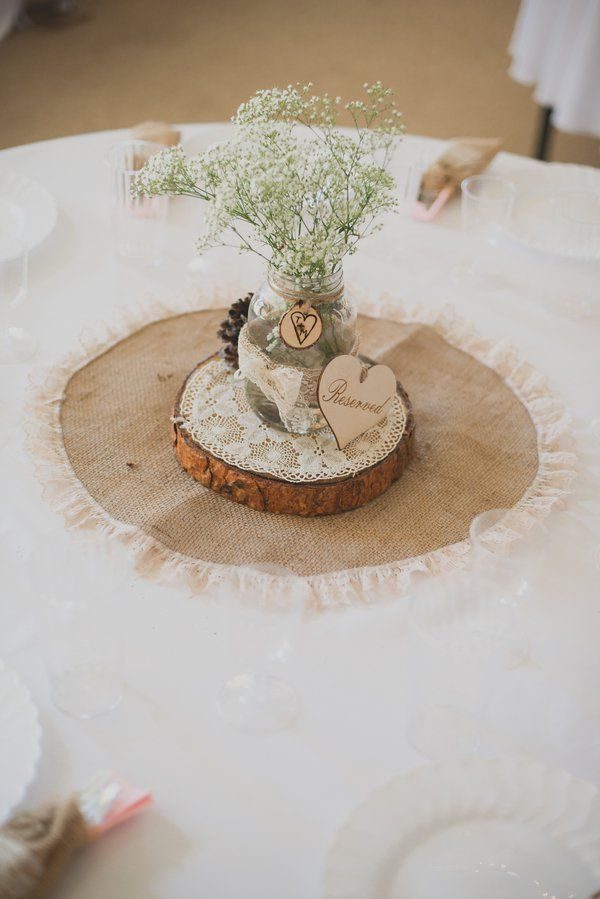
354, 398
300, 327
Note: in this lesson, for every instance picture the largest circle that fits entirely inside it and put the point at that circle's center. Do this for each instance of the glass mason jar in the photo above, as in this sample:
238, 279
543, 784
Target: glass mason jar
276, 296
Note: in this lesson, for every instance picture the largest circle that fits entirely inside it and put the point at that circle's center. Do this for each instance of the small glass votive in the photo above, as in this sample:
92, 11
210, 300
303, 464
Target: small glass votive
138, 222
16, 344
487, 204
577, 223
81, 586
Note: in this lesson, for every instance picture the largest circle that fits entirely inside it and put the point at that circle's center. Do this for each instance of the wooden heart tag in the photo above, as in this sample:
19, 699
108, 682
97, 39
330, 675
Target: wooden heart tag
300, 327
354, 398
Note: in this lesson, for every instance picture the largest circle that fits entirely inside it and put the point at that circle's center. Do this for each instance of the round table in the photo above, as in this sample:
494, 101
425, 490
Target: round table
246, 815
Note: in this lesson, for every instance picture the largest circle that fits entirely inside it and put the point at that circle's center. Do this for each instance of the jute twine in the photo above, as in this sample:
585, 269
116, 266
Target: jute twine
35, 848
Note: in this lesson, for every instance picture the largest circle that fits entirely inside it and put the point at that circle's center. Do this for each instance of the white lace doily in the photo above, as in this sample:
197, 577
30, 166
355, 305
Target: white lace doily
215, 413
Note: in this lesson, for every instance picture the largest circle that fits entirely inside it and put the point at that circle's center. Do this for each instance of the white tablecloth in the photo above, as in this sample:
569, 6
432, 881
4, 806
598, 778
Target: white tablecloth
252, 816
556, 47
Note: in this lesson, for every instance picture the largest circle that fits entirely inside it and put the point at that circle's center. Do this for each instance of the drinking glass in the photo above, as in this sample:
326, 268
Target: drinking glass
16, 344
577, 223
81, 586
261, 622
138, 222
486, 206
502, 586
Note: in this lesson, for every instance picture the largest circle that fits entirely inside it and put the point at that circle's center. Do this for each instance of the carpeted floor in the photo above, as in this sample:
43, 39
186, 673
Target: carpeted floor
122, 61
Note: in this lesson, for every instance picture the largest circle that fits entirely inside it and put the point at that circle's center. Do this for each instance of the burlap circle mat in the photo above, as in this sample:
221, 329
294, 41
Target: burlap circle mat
480, 444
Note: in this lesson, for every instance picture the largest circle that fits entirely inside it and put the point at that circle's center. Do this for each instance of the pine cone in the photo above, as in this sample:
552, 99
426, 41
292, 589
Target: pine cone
229, 331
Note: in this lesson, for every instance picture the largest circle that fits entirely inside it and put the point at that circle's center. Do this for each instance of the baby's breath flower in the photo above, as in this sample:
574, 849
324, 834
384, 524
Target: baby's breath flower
290, 186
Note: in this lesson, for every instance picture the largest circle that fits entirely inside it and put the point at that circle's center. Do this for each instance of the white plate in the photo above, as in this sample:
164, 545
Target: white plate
477, 829
27, 210
20, 736
533, 210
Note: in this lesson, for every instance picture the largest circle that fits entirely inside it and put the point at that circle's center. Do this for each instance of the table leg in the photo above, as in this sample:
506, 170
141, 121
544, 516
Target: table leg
544, 133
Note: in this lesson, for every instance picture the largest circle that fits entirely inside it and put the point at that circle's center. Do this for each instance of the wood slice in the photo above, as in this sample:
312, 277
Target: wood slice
265, 493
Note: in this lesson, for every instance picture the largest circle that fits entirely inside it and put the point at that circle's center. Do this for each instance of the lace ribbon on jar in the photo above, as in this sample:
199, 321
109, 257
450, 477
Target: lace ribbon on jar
291, 388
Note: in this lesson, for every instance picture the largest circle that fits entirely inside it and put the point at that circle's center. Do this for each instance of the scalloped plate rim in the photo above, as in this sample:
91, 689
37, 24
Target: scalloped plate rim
41, 221
345, 840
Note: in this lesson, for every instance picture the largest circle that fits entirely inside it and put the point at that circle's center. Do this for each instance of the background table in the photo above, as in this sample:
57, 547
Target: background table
241, 815
556, 47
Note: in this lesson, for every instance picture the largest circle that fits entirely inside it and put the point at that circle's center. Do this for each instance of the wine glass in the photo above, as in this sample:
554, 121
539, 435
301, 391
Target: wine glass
577, 223
486, 208
502, 586
450, 673
81, 585
260, 621
16, 344
467, 619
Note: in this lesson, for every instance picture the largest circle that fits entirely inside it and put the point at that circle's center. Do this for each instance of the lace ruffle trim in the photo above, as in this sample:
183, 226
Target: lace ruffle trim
66, 494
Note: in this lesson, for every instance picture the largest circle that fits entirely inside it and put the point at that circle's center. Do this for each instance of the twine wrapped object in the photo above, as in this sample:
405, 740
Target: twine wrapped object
157, 133
464, 157
35, 847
